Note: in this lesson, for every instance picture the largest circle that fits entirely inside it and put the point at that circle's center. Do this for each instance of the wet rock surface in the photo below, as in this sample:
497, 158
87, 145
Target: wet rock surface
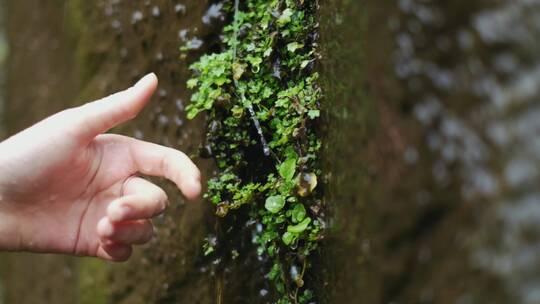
64, 53
431, 147
440, 127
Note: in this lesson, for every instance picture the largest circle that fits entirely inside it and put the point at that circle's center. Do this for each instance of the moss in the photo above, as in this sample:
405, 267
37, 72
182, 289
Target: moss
88, 50
262, 101
92, 276
348, 262
2, 274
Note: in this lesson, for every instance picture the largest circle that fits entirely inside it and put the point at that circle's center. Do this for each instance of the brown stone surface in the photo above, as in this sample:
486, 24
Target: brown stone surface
66, 52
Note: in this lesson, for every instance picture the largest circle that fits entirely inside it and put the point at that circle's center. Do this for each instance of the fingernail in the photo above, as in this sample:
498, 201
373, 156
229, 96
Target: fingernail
145, 79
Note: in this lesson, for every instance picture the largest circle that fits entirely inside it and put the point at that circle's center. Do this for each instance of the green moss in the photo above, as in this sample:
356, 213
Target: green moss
2, 274
92, 275
261, 98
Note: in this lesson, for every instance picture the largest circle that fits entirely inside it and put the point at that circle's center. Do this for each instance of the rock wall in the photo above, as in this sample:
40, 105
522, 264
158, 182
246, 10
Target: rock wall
66, 52
432, 157
431, 147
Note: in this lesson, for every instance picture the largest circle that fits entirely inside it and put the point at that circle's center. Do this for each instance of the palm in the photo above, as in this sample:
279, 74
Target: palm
79, 194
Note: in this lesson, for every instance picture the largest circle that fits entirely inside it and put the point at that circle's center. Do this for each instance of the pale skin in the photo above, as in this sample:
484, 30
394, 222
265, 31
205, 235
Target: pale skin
66, 187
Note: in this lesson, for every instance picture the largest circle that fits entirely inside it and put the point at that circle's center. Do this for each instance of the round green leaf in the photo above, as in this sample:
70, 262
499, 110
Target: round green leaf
298, 213
274, 203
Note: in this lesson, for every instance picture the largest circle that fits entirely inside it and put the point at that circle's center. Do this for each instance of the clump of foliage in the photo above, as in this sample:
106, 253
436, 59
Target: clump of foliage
262, 87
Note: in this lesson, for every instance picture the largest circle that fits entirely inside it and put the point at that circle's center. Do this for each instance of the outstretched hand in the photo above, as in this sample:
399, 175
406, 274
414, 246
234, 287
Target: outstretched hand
65, 187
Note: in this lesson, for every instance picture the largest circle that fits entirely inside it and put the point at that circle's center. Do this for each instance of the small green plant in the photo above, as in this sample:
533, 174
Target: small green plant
262, 86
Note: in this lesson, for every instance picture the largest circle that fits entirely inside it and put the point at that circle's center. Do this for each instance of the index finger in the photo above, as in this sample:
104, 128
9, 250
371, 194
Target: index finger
155, 160
99, 116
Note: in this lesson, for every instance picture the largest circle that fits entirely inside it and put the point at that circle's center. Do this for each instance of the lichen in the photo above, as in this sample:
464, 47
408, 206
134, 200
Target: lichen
261, 97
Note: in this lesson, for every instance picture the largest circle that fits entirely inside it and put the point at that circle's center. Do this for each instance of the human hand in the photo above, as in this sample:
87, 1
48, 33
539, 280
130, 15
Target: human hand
67, 188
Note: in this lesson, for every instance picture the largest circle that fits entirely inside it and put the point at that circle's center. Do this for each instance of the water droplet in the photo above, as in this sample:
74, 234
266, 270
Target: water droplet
411, 156
180, 9
214, 126
406, 5
194, 43
205, 151
109, 10
213, 12
179, 104
162, 93
115, 24
156, 13
178, 121
137, 17
294, 272
138, 134
182, 34
163, 120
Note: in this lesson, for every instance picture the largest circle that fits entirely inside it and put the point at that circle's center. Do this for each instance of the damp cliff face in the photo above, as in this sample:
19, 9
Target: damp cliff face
430, 148
433, 153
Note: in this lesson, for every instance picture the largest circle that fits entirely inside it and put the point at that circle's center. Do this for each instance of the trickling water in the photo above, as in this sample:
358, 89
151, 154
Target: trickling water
247, 104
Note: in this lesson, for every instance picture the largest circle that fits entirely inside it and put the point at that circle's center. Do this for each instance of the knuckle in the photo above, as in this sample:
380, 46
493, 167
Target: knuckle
161, 201
146, 234
166, 164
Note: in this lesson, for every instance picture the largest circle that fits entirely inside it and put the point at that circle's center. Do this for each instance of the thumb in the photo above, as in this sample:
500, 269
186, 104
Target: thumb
97, 117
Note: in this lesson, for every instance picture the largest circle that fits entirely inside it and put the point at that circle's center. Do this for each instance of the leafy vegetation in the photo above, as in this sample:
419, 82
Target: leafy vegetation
262, 86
